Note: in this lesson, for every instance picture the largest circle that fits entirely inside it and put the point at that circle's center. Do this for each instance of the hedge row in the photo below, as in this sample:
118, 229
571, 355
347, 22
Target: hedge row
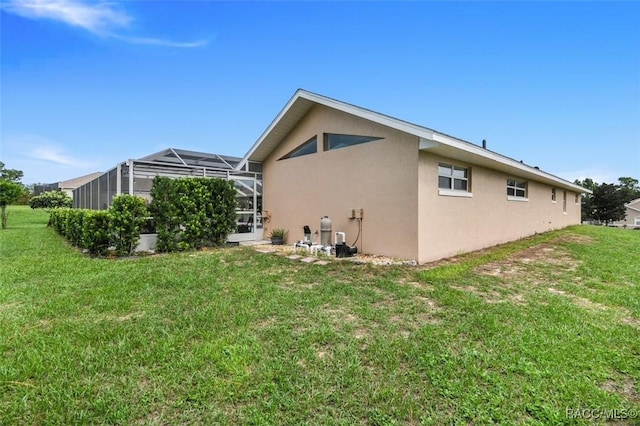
98, 230
189, 213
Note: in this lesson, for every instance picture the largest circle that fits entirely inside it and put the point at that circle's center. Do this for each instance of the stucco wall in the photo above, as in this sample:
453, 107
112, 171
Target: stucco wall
632, 213
452, 225
379, 177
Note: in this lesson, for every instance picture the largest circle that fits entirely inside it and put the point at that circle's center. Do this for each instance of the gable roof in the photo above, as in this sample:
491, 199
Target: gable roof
630, 204
430, 140
79, 181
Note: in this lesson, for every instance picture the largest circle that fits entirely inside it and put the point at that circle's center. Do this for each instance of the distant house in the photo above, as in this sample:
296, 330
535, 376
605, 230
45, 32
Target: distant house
67, 186
399, 189
632, 218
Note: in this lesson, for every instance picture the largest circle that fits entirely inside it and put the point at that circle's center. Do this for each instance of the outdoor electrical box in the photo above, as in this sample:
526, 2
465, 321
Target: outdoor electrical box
357, 213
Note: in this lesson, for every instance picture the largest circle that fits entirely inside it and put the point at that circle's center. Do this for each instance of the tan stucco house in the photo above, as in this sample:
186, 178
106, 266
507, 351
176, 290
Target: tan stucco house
632, 209
399, 189
66, 186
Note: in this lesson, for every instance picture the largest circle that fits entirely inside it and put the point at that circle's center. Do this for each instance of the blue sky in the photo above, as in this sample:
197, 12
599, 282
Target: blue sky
85, 85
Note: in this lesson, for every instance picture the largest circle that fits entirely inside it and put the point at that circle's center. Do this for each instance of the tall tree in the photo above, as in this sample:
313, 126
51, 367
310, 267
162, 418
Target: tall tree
587, 199
10, 190
629, 188
11, 175
608, 203
9, 193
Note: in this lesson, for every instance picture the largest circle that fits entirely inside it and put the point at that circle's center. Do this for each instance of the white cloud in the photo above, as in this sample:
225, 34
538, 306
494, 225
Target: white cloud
101, 19
160, 42
95, 18
42, 150
43, 160
52, 154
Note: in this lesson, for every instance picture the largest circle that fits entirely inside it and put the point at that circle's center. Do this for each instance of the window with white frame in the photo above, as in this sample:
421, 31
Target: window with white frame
637, 220
516, 189
564, 201
553, 195
453, 178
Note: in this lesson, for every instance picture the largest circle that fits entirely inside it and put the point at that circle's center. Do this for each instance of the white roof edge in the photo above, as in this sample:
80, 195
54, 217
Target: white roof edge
628, 205
414, 129
273, 124
510, 162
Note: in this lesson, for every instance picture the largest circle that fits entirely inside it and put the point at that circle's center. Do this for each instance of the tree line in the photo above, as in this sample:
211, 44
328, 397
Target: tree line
607, 202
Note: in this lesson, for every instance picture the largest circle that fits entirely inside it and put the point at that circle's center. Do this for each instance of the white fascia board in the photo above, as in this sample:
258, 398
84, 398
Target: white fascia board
432, 139
268, 130
445, 140
426, 144
428, 138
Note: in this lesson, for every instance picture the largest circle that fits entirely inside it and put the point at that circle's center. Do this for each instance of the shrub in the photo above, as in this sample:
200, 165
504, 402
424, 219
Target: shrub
51, 200
188, 213
192, 212
279, 234
164, 210
73, 226
96, 237
57, 220
128, 214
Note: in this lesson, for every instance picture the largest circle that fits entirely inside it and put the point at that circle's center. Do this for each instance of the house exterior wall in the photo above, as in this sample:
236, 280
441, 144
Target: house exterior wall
451, 225
632, 212
397, 186
379, 177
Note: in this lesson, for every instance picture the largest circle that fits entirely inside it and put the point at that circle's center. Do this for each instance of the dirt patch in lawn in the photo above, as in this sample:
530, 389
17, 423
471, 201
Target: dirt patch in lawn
493, 296
412, 314
622, 314
521, 264
580, 301
624, 388
574, 238
341, 318
541, 264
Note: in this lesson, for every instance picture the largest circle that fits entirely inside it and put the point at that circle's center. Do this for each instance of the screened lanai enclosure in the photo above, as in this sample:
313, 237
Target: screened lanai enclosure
136, 177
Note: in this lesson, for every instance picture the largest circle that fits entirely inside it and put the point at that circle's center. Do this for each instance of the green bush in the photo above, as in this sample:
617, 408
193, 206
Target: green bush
96, 237
51, 200
191, 213
128, 214
164, 210
73, 226
57, 220
188, 213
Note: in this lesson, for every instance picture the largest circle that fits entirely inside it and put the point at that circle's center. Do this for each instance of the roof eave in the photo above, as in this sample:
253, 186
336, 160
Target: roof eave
449, 147
427, 136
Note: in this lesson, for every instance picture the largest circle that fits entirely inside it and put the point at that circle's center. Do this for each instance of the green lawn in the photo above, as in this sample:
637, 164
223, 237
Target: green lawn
514, 335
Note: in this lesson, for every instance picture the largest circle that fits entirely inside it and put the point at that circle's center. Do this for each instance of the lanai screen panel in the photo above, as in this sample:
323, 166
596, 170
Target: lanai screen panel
172, 163
103, 199
113, 185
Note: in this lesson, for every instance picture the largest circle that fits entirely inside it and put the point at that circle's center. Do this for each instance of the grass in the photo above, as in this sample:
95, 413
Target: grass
513, 335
